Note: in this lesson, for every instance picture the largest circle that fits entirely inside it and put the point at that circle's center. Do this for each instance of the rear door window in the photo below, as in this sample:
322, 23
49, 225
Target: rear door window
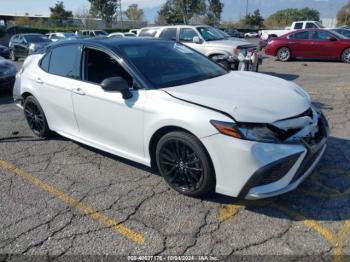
310, 25
65, 61
298, 26
300, 36
168, 34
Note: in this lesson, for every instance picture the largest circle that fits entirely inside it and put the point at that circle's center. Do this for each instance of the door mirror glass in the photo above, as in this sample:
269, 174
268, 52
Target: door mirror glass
196, 40
117, 84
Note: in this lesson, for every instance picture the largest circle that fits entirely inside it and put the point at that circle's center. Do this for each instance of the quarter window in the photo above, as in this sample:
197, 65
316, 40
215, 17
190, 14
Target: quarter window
187, 34
168, 34
45, 62
65, 60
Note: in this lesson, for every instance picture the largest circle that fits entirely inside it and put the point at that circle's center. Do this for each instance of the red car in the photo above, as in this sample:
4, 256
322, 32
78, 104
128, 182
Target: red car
311, 43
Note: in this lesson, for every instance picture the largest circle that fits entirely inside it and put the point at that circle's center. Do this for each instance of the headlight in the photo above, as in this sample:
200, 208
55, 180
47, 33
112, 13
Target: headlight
253, 132
32, 47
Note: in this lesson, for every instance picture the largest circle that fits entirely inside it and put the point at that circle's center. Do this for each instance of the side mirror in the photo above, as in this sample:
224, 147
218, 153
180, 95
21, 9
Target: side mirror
196, 40
333, 39
117, 84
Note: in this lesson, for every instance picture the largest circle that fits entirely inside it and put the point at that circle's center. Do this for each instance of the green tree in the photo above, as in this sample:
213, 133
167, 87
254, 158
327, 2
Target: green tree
105, 9
134, 13
59, 12
253, 20
181, 11
214, 11
286, 17
343, 16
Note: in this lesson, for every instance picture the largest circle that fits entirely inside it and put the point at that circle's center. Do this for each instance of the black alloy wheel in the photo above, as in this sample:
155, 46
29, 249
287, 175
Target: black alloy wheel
35, 117
184, 164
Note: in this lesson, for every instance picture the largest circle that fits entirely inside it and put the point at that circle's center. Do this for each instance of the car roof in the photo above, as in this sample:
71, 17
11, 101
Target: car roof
108, 42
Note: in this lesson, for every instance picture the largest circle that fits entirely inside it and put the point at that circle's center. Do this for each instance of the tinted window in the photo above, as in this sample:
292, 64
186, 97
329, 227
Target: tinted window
298, 26
310, 25
187, 34
168, 34
148, 32
301, 35
36, 38
320, 35
99, 66
45, 62
166, 64
64, 61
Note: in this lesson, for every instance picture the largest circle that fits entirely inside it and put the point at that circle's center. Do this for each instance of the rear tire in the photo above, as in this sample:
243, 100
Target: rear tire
284, 54
184, 163
35, 117
345, 57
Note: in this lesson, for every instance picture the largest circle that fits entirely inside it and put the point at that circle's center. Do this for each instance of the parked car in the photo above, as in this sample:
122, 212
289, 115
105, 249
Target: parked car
251, 35
298, 25
22, 45
342, 31
134, 31
7, 74
4, 51
208, 41
234, 32
93, 33
314, 44
119, 34
60, 36
162, 104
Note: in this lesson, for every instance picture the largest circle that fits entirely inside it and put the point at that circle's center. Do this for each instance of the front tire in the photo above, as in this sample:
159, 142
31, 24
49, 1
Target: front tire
35, 117
184, 163
284, 54
345, 57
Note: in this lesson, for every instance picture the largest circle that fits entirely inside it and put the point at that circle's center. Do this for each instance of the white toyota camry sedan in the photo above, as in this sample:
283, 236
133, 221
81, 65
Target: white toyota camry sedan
162, 104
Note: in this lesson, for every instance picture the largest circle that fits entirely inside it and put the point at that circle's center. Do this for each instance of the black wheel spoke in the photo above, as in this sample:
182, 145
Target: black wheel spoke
181, 166
35, 118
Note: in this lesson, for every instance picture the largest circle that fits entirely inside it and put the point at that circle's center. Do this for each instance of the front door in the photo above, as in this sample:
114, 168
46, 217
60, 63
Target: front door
323, 45
104, 118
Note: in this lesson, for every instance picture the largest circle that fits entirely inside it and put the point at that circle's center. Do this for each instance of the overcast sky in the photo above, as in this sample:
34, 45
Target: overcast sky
20, 7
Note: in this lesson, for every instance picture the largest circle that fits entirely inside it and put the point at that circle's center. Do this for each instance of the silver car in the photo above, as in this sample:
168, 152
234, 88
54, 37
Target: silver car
231, 53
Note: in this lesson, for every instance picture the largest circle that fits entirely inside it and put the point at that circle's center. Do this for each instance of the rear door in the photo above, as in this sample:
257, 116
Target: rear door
300, 44
59, 75
324, 44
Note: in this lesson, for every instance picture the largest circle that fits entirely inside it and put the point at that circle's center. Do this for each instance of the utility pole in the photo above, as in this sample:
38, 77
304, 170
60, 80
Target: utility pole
246, 8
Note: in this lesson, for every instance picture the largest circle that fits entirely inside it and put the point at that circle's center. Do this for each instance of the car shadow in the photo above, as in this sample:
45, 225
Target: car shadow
289, 77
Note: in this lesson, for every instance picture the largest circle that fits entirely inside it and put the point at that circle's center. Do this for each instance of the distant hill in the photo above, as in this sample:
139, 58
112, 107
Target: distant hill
233, 9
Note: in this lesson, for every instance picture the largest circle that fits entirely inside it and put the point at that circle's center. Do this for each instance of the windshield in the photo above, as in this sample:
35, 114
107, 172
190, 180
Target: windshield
166, 64
339, 35
223, 33
345, 33
36, 38
319, 25
100, 33
69, 34
210, 33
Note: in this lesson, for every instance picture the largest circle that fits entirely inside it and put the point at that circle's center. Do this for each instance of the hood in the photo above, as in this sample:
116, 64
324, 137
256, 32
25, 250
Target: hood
246, 96
229, 42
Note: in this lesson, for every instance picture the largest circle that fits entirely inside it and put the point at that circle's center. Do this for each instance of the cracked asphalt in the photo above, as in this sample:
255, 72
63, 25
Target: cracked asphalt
59, 197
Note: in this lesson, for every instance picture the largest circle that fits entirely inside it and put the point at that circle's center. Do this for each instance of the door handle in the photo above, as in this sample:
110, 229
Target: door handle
39, 81
78, 91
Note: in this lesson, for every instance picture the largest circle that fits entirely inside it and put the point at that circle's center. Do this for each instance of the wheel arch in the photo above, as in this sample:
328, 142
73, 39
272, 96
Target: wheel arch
165, 130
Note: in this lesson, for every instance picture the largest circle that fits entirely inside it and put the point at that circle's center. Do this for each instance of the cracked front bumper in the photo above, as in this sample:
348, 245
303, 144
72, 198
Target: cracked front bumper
254, 170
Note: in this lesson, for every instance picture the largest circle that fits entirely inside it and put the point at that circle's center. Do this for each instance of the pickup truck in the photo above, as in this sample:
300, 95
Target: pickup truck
266, 34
